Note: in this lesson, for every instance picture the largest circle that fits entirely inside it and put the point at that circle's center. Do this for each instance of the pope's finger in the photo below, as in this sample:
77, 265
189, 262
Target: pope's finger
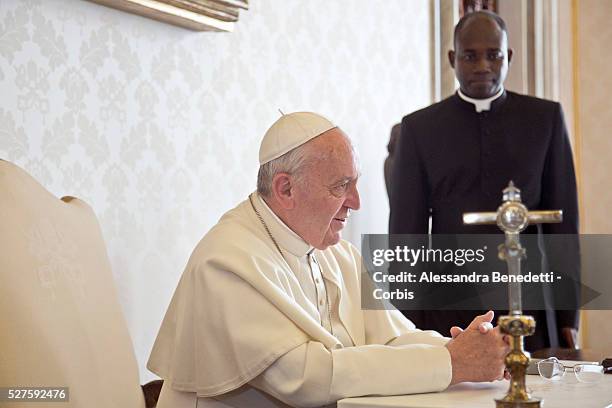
485, 327
487, 317
455, 331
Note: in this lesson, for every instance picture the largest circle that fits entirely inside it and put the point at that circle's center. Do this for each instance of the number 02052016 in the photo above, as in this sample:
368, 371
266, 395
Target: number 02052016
48, 394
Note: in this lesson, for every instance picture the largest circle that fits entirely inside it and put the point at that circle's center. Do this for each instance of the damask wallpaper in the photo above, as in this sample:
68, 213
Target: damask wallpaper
158, 127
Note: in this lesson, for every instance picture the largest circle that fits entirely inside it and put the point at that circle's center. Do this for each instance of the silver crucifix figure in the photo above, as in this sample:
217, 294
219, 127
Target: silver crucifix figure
512, 217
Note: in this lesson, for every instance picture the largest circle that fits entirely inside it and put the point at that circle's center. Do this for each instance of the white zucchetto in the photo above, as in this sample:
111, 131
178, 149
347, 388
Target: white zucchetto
290, 131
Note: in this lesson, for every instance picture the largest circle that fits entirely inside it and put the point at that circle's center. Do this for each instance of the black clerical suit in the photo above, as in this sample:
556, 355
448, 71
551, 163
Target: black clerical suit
451, 159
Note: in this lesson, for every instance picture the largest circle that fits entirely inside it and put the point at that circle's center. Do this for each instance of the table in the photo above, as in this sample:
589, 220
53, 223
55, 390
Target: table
564, 393
572, 354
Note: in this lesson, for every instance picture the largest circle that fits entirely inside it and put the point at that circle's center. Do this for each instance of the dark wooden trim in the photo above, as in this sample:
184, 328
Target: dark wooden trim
151, 392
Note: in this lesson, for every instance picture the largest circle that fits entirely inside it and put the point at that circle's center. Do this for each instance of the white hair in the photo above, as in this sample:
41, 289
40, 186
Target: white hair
293, 162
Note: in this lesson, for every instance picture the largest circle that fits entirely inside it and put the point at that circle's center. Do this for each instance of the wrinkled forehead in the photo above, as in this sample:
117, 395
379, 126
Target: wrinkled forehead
334, 151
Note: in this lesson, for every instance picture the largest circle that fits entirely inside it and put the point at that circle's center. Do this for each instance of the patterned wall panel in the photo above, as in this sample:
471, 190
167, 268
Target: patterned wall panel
158, 127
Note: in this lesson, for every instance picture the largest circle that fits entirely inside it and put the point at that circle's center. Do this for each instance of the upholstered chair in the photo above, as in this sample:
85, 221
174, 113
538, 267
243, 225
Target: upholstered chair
61, 324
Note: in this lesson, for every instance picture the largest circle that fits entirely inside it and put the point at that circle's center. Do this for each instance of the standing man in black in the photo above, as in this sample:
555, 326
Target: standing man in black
457, 156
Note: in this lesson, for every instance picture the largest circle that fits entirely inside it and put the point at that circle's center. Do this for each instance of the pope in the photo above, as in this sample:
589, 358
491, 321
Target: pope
267, 312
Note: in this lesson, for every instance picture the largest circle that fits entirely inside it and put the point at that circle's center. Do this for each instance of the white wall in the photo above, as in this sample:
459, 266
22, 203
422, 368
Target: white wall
158, 127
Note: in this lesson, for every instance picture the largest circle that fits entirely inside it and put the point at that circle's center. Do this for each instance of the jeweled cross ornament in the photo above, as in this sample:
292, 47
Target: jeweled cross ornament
512, 217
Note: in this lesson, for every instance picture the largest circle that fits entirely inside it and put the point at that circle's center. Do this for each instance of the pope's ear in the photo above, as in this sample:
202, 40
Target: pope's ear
282, 190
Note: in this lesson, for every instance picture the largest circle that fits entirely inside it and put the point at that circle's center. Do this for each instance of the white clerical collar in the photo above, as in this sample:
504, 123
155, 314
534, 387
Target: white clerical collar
481, 104
281, 232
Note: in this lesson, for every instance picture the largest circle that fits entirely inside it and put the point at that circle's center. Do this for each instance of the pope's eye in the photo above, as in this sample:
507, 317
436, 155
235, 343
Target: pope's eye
339, 189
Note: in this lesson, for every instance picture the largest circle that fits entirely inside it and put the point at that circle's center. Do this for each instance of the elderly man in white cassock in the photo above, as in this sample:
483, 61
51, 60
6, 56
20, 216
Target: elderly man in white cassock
267, 312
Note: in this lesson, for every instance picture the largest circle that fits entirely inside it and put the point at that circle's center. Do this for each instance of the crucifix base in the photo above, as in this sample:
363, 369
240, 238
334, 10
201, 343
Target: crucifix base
517, 326
532, 403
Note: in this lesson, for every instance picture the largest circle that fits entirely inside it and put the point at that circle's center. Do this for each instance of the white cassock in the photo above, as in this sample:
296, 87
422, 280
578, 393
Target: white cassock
250, 327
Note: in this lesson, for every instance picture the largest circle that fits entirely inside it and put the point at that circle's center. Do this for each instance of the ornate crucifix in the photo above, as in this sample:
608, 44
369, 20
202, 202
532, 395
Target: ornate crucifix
512, 217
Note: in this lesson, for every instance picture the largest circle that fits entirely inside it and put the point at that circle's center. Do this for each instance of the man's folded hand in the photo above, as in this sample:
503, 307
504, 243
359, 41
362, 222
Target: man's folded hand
478, 352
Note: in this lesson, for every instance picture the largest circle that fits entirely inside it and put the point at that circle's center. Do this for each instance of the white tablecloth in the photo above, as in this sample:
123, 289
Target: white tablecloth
559, 394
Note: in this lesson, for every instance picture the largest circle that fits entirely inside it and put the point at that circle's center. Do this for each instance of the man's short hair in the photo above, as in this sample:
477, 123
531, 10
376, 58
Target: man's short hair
292, 162
481, 13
